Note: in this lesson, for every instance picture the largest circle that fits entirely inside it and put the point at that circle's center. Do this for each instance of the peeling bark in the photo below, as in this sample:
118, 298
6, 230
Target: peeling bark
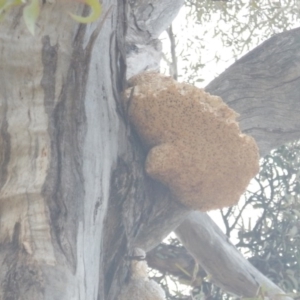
74, 198
57, 127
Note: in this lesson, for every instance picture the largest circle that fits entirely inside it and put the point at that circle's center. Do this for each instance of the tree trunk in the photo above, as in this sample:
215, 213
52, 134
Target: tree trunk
73, 189
60, 139
74, 198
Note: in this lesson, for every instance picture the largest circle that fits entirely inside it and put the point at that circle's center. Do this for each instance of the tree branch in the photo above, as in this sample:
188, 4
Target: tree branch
173, 65
264, 87
220, 259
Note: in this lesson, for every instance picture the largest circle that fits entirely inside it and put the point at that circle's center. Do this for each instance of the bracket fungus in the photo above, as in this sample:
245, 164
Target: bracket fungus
139, 286
195, 145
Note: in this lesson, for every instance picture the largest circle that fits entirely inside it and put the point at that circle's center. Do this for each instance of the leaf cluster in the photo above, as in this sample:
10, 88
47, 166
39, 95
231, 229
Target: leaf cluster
216, 32
273, 241
31, 11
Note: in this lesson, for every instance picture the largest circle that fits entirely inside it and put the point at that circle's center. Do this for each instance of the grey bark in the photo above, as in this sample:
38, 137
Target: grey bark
74, 198
147, 20
59, 143
263, 87
221, 260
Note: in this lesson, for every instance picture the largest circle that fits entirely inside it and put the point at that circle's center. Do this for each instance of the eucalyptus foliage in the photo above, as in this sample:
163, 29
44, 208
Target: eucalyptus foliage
214, 33
31, 11
272, 241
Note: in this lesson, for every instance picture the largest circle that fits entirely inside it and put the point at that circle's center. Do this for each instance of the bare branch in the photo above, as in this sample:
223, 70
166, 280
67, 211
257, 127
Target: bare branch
220, 259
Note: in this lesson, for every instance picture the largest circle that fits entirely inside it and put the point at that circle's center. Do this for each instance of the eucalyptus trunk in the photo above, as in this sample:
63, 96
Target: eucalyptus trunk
59, 143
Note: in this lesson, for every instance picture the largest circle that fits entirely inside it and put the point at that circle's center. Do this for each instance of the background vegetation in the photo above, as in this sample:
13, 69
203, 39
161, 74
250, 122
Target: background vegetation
210, 34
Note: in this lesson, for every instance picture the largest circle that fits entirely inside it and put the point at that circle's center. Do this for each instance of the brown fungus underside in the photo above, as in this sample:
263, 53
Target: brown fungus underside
196, 146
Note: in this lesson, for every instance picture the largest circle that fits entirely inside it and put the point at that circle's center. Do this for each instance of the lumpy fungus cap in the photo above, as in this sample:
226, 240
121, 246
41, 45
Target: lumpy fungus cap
196, 146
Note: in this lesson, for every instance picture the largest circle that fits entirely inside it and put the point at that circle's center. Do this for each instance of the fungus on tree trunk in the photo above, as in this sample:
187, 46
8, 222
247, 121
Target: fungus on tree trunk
196, 146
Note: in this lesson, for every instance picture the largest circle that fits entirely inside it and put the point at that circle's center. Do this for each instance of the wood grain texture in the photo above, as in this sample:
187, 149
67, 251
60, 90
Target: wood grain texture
264, 87
59, 143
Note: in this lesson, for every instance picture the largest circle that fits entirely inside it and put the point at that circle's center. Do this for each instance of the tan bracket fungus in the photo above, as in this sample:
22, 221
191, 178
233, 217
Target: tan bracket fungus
196, 146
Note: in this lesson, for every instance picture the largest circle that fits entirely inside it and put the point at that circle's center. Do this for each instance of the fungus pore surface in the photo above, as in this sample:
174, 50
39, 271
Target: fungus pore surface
195, 145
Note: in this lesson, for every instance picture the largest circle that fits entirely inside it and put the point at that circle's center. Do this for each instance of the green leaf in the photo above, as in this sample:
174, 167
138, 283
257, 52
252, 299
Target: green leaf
30, 14
93, 16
